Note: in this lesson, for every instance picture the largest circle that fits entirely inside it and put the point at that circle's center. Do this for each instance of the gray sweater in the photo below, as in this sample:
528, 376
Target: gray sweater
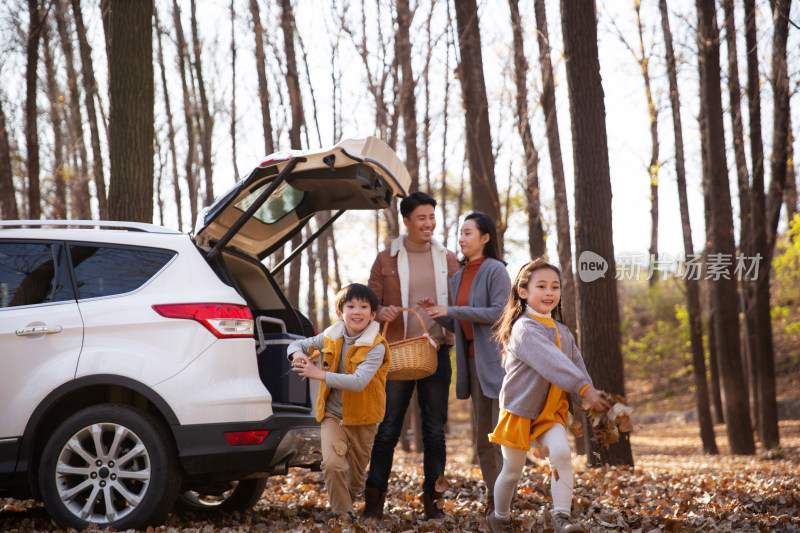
533, 362
487, 298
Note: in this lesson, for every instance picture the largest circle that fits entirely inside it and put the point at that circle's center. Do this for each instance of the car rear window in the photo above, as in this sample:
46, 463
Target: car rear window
283, 200
28, 273
107, 271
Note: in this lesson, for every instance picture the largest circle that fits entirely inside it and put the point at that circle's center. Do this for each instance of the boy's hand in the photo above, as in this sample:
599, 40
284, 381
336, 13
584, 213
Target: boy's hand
307, 369
389, 313
596, 401
297, 357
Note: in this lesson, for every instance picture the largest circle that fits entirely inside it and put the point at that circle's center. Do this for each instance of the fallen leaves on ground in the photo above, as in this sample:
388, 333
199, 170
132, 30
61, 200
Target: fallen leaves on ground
674, 487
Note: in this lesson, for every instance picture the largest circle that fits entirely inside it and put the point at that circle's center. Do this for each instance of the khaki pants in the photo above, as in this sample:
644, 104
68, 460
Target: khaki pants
345, 456
485, 412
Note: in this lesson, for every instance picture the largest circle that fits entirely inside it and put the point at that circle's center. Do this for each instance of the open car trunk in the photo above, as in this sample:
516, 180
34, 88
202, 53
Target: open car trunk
264, 210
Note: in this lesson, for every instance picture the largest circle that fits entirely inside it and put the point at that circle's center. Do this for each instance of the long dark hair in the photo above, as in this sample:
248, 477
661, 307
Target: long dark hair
516, 304
485, 225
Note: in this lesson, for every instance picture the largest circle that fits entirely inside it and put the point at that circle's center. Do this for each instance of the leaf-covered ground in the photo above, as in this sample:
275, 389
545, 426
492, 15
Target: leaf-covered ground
673, 487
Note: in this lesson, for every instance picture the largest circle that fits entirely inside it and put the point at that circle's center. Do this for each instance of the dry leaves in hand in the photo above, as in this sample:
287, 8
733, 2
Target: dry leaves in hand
608, 424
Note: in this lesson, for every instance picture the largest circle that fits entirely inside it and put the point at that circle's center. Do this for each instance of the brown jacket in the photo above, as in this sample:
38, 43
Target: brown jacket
389, 278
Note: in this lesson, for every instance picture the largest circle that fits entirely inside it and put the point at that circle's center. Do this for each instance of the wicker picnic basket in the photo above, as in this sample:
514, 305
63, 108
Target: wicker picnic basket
412, 358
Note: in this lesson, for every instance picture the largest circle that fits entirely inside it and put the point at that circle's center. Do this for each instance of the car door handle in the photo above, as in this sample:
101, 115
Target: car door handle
39, 330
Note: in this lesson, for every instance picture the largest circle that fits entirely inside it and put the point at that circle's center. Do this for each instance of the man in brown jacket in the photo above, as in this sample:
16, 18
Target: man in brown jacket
413, 268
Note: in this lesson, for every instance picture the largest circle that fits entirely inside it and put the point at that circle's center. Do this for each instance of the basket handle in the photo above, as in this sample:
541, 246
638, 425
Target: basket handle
422, 322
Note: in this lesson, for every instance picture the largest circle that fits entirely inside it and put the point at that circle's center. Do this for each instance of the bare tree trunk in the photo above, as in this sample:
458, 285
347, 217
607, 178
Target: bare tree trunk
445, 115
36, 16
790, 192
188, 113
298, 121
89, 89
548, 99
59, 200
324, 268
768, 408
426, 120
408, 102
131, 117
746, 245
476, 111
8, 200
206, 122
598, 316
723, 291
233, 91
536, 237
692, 284
81, 198
176, 186
311, 265
261, 70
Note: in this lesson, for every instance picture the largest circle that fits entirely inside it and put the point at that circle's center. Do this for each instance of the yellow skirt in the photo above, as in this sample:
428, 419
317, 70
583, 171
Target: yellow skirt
517, 432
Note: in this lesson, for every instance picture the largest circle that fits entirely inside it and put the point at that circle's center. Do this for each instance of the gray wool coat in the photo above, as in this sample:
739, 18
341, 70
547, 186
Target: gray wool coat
533, 362
487, 298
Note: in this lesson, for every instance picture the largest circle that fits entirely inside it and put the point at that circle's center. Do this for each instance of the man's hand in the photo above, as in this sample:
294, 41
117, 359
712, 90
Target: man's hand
425, 303
389, 313
596, 401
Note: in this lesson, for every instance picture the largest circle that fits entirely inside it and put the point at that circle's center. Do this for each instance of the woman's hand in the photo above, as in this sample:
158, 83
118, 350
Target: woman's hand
594, 398
436, 311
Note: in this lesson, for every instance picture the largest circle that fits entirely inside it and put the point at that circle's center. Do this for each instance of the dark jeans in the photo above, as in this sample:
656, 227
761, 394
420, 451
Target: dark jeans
432, 393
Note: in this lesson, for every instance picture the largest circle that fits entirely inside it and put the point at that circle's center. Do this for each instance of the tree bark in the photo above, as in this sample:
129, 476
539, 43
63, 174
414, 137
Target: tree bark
598, 310
8, 199
536, 236
233, 92
548, 100
89, 89
55, 99
408, 101
81, 198
36, 17
790, 191
723, 291
206, 123
188, 113
261, 71
176, 185
692, 285
476, 112
131, 118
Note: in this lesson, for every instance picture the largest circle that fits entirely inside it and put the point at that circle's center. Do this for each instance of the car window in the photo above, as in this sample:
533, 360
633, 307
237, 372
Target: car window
28, 274
106, 270
283, 200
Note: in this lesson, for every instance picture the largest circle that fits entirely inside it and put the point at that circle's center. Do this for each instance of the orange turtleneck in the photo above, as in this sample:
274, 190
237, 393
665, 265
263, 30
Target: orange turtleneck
462, 298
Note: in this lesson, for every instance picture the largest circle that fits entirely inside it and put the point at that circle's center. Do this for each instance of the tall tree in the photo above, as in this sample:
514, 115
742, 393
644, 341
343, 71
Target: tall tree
176, 186
408, 101
790, 191
536, 237
548, 100
131, 118
188, 112
8, 200
692, 284
598, 315
476, 113
81, 200
36, 14
261, 71
723, 291
56, 100
89, 91
768, 409
233, 92
298, 122
206, 123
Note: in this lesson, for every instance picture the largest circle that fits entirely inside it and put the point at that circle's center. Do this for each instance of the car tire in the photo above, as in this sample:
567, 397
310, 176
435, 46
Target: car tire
110, 465
233, 496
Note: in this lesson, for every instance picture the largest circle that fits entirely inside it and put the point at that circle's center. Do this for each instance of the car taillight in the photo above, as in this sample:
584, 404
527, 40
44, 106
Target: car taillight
246, 438
225, 321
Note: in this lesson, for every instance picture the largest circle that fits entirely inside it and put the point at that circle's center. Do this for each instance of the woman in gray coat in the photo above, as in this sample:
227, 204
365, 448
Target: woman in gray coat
478, 294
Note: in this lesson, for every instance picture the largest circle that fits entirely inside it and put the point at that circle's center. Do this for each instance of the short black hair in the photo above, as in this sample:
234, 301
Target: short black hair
356, 291
413, 201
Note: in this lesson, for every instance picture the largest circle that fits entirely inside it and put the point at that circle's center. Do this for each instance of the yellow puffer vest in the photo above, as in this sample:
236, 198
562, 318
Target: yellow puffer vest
368, 405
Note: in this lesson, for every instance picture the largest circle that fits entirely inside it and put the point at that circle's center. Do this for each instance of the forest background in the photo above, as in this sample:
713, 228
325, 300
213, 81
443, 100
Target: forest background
542, 115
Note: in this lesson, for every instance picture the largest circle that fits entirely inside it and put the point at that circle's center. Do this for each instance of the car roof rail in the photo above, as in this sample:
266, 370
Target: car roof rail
101, 224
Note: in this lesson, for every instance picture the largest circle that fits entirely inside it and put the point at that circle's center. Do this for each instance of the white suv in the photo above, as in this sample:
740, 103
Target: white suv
141, 365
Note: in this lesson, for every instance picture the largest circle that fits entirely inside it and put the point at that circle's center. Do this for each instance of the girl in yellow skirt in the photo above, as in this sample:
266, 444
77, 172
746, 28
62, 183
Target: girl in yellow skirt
545, 373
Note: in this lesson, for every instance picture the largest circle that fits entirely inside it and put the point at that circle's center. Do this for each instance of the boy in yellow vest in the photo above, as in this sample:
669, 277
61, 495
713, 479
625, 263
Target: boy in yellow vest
352, 391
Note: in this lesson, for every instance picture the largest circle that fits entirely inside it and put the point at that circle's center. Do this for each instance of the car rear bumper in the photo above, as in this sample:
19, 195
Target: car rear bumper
293, 440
